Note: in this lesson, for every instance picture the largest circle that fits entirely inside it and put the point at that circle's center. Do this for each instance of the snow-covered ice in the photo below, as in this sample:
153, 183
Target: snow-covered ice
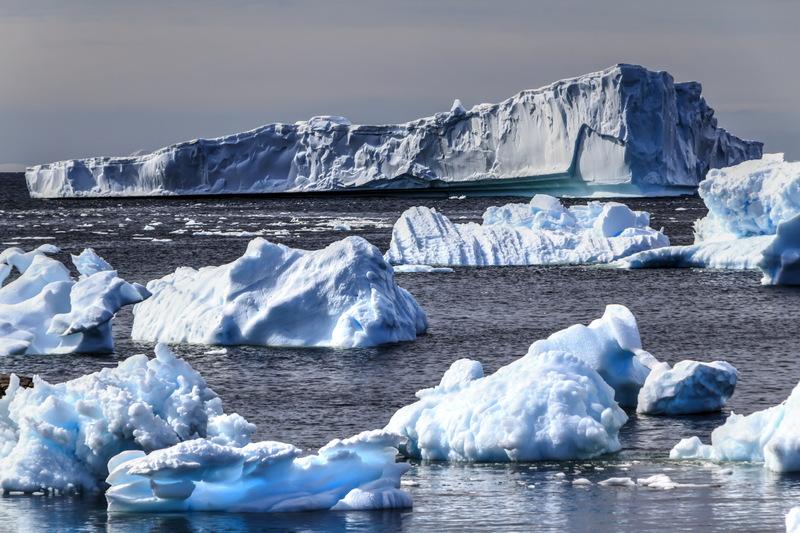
359, 473
541, 232
771, 436
623, 130
344, 296
688, 387
793, 520
426, 269
753, 222
553, 403
46, 311
61, 437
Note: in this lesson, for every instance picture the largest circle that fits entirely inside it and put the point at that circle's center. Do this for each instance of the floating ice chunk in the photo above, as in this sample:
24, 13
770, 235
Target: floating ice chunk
541, 232
45, 311
359, 473
617, 482
344, 296
688, 387
413, 269
771, 436
61, 436
581, 482
611, 346
593, 133
549, 405
780, 259
793, 520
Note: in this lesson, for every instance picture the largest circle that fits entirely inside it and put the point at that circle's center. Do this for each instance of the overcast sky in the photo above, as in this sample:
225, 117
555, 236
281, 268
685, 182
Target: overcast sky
104, 77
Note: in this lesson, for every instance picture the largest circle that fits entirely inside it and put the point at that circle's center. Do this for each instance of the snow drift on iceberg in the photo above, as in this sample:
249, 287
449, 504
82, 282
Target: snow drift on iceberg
359, 473
687, 388
541, 232
61, 437
556, 402
624, 129
45, 311
753, 222
771, 436
344, 296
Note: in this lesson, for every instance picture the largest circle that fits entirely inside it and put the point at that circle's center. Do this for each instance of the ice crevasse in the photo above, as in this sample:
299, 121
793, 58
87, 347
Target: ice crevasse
46, 311
770, 436
541, 232
753, 222
622, 130
344, 295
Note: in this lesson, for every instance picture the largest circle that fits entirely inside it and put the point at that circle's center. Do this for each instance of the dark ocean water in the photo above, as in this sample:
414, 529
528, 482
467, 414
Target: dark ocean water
308, 396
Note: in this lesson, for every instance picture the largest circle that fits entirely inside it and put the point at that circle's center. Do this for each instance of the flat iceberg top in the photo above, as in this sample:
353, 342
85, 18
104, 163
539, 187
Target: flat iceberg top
359, 473
343, 296
542, 232
624, 128
46, 311
61, 437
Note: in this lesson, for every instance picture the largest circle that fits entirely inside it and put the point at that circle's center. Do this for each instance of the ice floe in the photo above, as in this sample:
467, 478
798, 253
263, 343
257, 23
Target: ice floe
687, 388
793, 520
541, 232
46, 311
344, 296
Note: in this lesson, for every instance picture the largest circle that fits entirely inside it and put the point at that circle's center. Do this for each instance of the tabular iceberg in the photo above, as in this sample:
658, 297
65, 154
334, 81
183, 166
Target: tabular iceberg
542, 232
359, 473
343, 296
61, 437
771, 436
621, 130
687, 388
753, 222
45, 311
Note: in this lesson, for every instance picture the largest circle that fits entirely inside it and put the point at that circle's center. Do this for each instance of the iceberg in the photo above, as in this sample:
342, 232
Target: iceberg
771, 437
341, 296
46, 311
793, 520
359, 473
555, 403
60, 437
753, 223
687, 388
623, 130
542, 232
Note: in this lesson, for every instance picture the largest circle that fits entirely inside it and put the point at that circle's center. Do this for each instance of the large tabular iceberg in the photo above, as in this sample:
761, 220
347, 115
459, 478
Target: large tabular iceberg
753, 222
556, 402
771, 436
542, 232
344, 296
687, 388
61, 437
359, 473
623, 130
45, 311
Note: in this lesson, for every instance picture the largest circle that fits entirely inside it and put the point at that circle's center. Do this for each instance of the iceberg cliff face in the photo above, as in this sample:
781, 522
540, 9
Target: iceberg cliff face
622, 130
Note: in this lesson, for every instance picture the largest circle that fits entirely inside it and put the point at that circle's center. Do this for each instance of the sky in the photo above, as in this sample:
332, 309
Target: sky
106, 77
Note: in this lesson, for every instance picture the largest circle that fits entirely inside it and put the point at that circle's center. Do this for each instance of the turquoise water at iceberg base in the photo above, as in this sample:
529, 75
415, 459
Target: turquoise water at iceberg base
309, 396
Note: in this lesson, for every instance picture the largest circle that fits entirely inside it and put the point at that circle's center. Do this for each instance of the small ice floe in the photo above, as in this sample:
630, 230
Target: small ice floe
427, 269
149, 227
681, 208
617, 482
581, 482
228, 233
216, 351
462, 197
793, 520
687, 388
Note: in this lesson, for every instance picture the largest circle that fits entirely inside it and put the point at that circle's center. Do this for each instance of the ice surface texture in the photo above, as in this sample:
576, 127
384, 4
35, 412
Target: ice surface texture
793, 520
753, 222
45, 311
344, 296
624, 129
61, 437
771, 436
556, 402
542, 232
199, 475
687, 388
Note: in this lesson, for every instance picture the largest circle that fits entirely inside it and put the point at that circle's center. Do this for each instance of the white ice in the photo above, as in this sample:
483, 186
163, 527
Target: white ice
687, 388
359, 473
541, 232
61, 437
413, 269
46, 311
771, 437
344, 295
793, 520
593, 134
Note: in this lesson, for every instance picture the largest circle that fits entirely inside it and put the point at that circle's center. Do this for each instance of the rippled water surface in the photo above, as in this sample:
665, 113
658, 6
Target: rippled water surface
308, 396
